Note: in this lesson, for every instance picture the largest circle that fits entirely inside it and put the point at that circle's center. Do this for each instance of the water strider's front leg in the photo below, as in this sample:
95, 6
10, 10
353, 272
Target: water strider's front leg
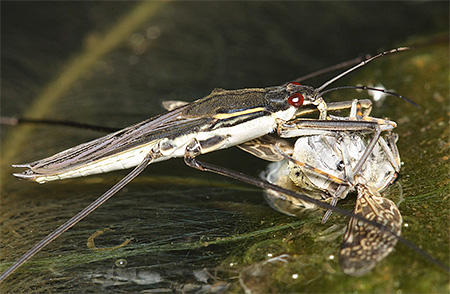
358, 120
327, 127
317, 127
324, 108
264, 147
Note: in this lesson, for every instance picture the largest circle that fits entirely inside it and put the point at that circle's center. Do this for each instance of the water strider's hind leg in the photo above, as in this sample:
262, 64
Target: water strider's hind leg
149, 158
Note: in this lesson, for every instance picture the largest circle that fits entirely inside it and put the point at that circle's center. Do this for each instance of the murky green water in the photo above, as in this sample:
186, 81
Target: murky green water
182, 221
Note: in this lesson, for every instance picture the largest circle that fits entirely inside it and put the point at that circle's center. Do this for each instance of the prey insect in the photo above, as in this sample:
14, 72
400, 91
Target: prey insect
220, 120
323, 165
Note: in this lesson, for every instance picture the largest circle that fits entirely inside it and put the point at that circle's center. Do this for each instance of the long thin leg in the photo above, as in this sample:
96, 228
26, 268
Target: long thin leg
291, 130
203, 166
391, 150
366, 104
82, 214
368, 150
344, 187
311, 168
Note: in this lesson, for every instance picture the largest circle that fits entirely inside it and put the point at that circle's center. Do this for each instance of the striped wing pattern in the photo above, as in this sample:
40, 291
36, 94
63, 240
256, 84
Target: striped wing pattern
364, 245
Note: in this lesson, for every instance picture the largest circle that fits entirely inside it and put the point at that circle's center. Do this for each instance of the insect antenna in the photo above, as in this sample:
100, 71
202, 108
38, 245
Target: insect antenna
344, 64
366, 88
362, 63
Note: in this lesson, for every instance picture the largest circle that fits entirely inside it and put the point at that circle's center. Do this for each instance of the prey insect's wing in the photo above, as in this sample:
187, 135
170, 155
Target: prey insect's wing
90, 157
365, 245
264, 148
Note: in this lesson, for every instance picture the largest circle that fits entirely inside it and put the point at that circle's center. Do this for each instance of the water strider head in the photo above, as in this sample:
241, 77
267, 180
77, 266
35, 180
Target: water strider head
289, 100
292, 96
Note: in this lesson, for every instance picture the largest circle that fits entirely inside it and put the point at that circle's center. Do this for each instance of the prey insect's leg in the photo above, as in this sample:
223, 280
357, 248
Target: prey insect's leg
391, 150
356, 114
311, 168
342, 190
344, 184
82, 214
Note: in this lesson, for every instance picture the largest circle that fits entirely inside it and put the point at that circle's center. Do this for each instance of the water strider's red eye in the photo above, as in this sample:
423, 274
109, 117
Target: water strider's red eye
296, 100
295, 83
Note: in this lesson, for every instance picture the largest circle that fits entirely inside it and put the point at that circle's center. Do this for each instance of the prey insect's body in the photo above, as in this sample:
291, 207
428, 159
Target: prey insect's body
322, 165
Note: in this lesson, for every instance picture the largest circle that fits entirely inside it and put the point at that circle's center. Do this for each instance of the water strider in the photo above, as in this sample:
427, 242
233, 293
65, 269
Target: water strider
323, 164
222, 119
